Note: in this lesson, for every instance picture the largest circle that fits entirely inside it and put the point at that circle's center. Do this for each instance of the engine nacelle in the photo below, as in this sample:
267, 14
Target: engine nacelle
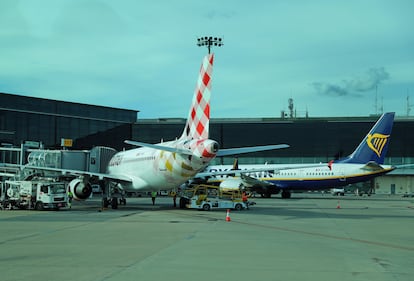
80, 189
232, 184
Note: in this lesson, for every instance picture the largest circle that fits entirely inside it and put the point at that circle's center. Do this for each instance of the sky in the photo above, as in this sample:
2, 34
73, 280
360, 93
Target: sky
333, 58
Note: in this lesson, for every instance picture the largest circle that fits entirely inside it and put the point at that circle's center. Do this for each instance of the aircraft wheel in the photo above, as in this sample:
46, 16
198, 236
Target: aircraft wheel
286, 194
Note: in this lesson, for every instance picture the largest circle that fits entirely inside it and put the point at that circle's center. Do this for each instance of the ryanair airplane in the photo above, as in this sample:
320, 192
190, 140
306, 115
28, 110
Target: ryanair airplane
365, 163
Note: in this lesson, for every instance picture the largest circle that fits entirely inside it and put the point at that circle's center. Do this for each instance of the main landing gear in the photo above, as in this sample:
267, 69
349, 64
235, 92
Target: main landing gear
113, 201
286, 194
112, 195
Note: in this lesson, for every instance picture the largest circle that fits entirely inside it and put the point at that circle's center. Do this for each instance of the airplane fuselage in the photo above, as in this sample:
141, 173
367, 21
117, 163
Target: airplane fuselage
153, 169
311, 178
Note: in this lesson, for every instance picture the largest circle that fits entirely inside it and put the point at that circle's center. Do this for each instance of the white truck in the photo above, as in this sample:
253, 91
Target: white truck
39, 195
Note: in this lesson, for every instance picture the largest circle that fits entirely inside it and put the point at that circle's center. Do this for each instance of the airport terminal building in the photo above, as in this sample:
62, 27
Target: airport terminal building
311, 140
48, 121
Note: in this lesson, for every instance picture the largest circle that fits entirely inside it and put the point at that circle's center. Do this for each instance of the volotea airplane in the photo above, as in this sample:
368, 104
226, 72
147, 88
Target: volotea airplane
166, 165
365, 163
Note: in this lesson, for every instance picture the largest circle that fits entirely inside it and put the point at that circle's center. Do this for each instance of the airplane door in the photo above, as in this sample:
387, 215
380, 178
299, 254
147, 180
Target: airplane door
342, 176
393, 188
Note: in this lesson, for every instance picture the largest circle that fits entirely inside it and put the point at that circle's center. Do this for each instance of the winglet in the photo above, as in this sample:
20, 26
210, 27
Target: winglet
235, 164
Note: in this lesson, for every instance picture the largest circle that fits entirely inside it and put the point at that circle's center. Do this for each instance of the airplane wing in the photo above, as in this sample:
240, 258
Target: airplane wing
255, 182
404, 166
372, 166
160, 147
221, 152
241, 150
101, 176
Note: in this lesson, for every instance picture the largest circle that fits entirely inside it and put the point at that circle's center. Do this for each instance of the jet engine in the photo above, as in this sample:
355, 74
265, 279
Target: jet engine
80, 189
232, 184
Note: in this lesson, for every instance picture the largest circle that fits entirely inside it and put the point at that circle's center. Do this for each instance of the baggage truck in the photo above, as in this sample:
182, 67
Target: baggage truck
208, 197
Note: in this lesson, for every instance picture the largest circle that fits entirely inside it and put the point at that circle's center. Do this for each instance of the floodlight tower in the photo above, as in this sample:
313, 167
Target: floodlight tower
209, 41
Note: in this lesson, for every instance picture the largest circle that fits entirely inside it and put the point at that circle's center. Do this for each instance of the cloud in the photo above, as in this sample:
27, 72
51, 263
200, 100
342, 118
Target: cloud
354, 87
330, 89
369, 81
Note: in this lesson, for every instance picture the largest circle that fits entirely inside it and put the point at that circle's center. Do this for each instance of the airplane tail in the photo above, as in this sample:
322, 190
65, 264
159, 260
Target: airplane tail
197, 126
374, 146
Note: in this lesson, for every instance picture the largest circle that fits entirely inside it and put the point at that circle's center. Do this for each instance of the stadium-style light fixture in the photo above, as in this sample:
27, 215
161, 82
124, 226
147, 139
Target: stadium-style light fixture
209, 41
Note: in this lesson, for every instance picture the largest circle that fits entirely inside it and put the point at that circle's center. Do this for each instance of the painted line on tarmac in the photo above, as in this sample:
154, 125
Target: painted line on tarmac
323, 235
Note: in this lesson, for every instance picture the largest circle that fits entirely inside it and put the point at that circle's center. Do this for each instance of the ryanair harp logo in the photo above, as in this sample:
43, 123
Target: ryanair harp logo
377, 142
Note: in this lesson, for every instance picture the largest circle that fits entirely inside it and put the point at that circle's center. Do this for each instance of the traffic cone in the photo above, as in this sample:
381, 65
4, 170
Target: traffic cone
338, 206
228, 215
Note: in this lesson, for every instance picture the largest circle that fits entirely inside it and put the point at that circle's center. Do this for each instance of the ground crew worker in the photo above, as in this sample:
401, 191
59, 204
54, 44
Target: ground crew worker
174, 196
70, 197
245, 199
153, 196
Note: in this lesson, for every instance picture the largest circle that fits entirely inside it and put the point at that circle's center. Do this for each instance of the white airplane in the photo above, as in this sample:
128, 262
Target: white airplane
365, 163
166, 165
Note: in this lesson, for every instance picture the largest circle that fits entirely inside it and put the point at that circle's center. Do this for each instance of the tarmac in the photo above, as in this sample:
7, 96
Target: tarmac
309, 237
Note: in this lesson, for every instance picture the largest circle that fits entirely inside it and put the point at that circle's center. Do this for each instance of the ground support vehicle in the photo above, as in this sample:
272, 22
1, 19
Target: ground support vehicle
208, 197
363, 191
338, 191
39, 195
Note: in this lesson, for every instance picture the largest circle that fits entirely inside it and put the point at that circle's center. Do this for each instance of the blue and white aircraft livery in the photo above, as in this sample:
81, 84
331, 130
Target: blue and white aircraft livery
365, 163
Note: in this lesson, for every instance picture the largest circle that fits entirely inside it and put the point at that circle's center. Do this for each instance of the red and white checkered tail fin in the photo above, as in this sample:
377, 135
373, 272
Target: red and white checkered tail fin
198, 121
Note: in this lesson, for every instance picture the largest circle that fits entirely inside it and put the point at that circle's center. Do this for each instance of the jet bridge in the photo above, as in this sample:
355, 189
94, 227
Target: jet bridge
12, 159
95, 160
